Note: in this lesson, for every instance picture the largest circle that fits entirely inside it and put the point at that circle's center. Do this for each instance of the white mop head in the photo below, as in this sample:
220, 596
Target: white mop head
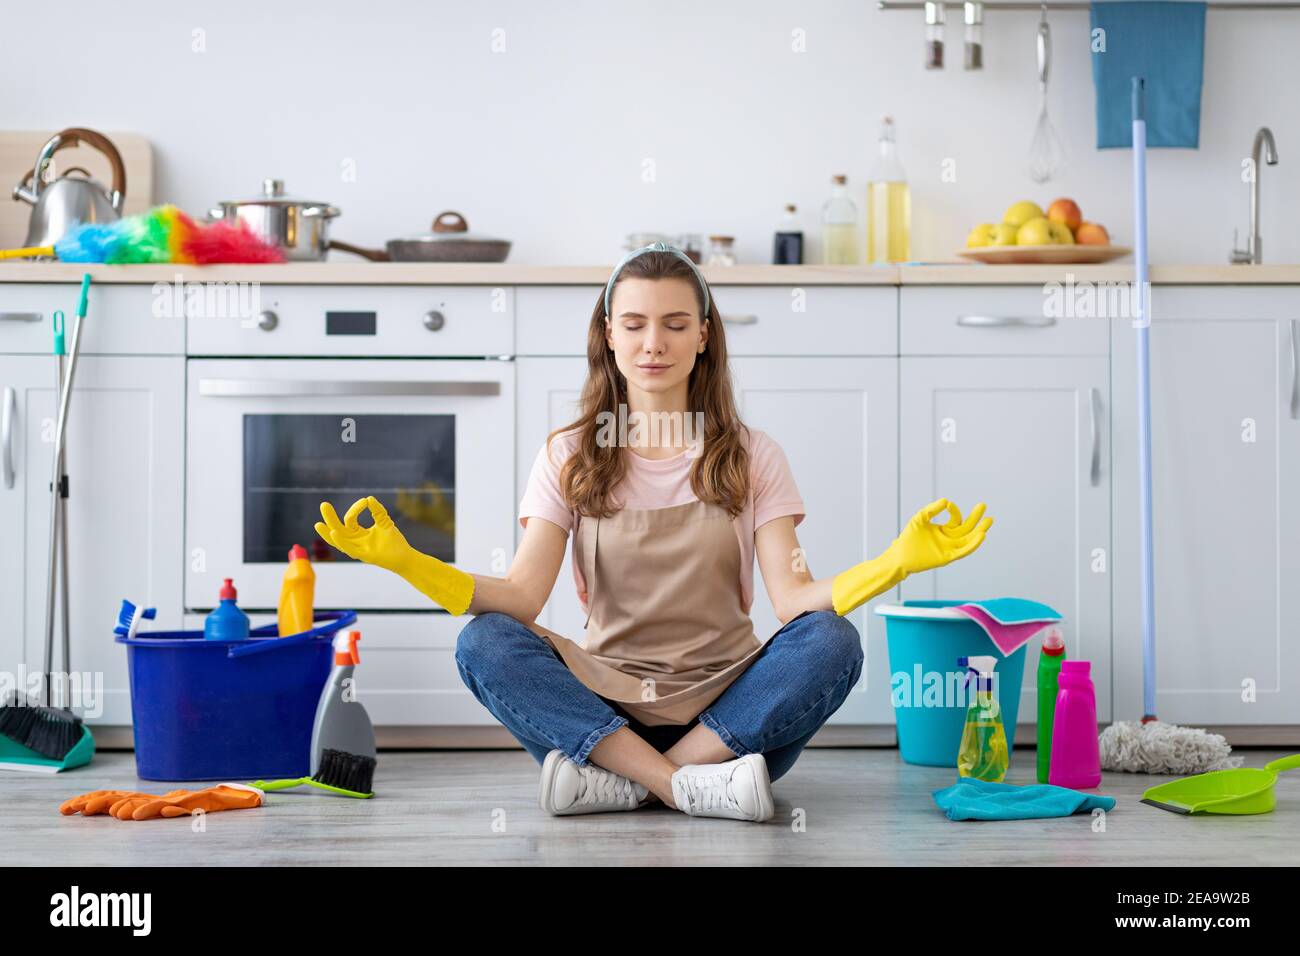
1156, 747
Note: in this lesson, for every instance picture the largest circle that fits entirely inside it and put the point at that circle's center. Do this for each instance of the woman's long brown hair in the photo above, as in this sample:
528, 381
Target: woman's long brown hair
720, 474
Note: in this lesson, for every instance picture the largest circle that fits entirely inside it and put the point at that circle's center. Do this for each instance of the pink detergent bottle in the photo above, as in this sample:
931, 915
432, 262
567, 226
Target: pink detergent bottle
1076, 761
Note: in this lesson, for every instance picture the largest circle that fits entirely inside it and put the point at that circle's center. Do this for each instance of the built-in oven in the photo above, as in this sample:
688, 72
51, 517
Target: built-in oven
270, 437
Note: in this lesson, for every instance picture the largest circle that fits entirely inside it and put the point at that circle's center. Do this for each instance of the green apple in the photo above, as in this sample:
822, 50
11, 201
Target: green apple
1004, 234
1023, 211
1035, 232
1061, 234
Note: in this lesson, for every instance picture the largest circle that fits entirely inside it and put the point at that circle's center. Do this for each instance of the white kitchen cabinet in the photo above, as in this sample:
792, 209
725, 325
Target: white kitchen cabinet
125, 431
21, 463
124, 319
1030, 437
836, 420
1225, 410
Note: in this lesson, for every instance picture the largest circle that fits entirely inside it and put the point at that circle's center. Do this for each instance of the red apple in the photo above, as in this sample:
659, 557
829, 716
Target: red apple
1092, 234
1066, 212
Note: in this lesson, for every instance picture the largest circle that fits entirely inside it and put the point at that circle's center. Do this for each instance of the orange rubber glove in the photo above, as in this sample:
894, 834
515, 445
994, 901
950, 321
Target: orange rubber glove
103, 801
182, 803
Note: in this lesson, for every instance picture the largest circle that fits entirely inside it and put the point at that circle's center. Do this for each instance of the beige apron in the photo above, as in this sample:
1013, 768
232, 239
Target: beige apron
666, 634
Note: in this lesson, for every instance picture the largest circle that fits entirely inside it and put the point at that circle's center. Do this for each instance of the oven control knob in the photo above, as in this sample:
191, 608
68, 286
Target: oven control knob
433, 321
266, 321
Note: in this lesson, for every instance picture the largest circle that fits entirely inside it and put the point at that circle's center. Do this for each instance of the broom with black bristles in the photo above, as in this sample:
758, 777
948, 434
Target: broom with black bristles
35, 735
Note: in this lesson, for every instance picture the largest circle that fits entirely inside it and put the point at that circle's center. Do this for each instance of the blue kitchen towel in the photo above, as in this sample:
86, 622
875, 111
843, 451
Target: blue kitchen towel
972, 799
1164, 42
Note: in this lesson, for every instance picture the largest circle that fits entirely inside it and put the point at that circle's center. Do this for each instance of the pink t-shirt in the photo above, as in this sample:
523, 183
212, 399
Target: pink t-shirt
667, 482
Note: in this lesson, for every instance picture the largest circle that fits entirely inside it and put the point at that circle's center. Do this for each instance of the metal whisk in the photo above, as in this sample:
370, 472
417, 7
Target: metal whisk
1046, 153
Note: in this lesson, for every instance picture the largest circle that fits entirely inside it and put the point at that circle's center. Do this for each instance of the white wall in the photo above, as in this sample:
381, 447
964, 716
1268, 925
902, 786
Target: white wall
544, 143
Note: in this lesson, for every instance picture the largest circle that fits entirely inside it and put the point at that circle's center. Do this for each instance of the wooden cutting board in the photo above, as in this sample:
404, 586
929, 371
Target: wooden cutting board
18, 152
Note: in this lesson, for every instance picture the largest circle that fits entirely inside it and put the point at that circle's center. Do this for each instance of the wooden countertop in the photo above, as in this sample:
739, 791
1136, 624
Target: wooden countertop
505, 274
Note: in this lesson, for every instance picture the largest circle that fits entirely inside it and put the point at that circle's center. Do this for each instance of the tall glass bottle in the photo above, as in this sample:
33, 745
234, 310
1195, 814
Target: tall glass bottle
889, 204
840, 226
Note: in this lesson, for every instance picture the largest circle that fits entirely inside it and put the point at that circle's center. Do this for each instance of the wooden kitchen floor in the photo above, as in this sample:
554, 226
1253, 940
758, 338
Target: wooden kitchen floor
859, 806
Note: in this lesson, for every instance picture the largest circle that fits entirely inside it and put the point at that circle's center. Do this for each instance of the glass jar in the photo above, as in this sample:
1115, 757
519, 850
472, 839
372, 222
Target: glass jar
974, 16
720, 251
692, 243
934, 35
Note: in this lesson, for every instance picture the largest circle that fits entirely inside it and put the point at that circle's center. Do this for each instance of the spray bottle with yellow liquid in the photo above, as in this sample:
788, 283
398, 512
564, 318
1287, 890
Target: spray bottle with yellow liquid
889, 204
983, 754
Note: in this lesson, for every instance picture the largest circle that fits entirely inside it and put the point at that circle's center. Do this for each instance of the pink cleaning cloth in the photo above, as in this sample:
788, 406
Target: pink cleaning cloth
1007, 637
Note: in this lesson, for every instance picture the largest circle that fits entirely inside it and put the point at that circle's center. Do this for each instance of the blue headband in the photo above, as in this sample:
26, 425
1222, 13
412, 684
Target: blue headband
658, 247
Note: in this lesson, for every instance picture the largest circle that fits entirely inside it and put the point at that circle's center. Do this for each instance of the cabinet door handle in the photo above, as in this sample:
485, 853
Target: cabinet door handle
8, 406
1006, 321
297, 388
20, 316
740, 319
1295, 368
1094, 416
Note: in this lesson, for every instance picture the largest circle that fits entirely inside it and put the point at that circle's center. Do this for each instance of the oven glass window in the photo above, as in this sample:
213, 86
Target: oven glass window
294, 462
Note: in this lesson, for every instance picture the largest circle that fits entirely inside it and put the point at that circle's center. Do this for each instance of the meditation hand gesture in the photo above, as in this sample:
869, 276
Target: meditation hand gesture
924, 545
384, 546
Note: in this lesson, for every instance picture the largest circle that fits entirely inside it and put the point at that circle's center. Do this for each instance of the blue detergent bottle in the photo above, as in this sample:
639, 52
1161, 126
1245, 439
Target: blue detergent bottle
227, 622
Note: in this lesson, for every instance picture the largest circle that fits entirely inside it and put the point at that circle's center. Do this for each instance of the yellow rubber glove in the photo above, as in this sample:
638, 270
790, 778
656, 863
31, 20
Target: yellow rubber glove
384, 546
921, 546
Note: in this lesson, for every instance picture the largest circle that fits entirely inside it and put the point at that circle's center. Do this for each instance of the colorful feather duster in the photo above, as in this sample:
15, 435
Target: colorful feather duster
164, 234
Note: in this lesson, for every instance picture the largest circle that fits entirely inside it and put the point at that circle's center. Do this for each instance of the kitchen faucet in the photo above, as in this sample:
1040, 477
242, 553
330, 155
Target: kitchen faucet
1252, 253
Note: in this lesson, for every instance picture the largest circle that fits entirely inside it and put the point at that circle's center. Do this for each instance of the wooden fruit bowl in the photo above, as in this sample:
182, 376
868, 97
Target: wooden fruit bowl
1048, 255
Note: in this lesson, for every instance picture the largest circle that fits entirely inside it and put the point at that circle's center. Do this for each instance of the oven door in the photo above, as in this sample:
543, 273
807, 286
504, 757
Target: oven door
268, 440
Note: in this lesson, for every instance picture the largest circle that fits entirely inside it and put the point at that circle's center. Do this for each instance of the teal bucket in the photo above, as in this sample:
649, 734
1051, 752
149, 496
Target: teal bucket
925, 638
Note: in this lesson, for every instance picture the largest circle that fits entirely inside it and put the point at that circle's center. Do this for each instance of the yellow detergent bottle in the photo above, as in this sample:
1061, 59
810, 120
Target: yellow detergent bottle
983, 754
296, 594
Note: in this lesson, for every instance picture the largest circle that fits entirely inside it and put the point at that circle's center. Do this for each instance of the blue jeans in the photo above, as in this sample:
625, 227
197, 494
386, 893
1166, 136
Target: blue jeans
802, 677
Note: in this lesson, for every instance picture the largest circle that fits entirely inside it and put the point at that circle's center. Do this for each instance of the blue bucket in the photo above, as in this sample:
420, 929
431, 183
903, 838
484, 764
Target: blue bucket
228, 710
925, 638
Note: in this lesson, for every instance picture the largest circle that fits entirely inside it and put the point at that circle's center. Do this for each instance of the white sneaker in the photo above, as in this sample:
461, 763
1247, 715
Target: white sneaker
738, 789
567, 788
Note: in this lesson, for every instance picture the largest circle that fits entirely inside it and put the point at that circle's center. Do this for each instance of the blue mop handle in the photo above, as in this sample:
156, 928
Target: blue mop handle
1142, 321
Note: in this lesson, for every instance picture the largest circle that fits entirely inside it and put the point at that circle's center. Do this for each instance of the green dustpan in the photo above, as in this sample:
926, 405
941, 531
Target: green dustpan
1247, 790
14, 756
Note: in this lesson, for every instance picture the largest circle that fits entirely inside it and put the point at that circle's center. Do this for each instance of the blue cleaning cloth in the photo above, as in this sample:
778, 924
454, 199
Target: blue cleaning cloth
971, 799
1164, 42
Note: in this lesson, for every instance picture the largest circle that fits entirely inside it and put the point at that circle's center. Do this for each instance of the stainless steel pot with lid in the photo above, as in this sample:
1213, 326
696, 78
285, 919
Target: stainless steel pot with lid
298, 226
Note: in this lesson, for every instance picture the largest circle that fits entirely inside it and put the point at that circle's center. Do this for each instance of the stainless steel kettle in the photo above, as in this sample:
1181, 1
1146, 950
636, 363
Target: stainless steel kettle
67, 200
